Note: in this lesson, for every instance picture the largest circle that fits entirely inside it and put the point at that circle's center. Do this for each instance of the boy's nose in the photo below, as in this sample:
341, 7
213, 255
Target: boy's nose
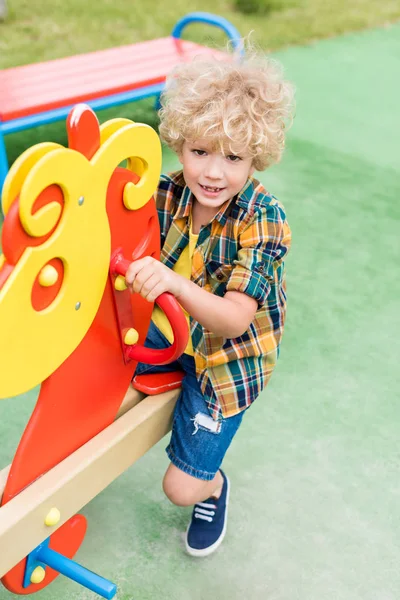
213, 169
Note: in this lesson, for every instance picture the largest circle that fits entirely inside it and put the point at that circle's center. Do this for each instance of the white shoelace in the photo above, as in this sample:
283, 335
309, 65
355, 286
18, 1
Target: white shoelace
204, 511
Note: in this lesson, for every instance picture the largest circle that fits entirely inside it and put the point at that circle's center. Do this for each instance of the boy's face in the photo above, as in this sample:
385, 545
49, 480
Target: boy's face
212, 176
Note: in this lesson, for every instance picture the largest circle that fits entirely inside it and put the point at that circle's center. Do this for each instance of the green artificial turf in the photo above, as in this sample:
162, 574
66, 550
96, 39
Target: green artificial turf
314, 511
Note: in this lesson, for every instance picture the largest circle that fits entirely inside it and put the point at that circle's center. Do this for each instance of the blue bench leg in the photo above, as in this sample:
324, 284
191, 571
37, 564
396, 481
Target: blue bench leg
3, 161
157, 103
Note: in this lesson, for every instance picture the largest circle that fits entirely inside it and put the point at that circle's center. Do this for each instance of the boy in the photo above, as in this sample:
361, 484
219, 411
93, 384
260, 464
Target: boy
224, 239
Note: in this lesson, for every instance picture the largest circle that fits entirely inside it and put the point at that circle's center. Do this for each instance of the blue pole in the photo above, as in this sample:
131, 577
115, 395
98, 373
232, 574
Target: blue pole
71, 569
57, 114
210, 19
3, 161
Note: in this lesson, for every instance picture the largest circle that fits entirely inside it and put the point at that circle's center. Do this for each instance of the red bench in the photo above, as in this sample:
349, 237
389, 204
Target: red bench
41, 93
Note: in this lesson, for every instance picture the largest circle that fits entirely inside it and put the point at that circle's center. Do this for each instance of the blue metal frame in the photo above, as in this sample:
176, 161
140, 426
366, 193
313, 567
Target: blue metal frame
58, 114
44, 556
3, 160
209, 19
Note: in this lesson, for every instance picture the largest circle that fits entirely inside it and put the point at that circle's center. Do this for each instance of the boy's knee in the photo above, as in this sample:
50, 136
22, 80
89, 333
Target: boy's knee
180, 488
177, 496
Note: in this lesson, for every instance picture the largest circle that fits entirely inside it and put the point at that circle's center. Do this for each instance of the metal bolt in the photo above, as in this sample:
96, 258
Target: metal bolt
77, 306
81, 200
38, 575
131, 337
52, 517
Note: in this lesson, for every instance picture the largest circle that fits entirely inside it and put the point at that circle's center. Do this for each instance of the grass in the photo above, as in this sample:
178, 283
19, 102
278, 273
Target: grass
44, 30
47, 29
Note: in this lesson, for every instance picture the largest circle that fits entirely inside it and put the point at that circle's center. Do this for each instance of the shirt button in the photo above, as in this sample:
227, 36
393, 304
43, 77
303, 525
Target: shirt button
179, 251
220, 276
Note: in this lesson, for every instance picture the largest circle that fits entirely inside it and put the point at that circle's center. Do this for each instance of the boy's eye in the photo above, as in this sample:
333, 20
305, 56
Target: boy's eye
233, 158
199, 152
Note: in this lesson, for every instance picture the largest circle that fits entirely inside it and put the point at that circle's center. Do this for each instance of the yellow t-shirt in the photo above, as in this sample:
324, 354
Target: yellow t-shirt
183, 266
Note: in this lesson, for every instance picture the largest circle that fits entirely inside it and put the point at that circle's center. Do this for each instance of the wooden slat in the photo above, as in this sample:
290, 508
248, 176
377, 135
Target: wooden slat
132, 398
81, 476
3, 479
39, 87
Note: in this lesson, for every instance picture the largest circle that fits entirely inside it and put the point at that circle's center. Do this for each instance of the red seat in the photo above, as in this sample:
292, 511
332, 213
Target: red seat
40, 87
157, 383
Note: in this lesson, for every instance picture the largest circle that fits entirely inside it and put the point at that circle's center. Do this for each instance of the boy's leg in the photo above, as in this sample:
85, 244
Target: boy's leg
185, 490
196, 450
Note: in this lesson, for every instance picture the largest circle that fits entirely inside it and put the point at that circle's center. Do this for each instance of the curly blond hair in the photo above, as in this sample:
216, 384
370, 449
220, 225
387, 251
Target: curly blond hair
240, 105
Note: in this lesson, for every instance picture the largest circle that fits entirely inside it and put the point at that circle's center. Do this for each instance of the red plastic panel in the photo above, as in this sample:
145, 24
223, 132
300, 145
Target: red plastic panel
83, 395
14, 237
65, 540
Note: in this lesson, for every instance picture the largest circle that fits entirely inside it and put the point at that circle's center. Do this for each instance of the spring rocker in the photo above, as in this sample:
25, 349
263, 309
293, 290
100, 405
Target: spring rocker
74, 220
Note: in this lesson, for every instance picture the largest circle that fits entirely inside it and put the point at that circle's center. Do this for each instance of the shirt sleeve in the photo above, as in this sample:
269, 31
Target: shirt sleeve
162, 197
262, 247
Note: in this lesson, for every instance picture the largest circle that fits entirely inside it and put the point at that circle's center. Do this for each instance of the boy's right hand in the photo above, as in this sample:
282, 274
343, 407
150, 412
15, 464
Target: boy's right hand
150, 278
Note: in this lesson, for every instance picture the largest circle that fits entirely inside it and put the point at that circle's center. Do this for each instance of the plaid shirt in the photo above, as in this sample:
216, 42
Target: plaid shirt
241, 250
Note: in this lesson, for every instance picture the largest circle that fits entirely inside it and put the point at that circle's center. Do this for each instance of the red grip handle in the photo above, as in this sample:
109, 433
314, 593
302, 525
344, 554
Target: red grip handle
174, 313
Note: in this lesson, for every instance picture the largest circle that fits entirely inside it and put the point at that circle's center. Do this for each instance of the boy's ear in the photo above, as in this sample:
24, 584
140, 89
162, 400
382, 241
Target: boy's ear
180, 157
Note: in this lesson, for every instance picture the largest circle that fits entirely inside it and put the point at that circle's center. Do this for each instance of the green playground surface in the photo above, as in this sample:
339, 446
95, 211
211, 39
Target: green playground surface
315, 502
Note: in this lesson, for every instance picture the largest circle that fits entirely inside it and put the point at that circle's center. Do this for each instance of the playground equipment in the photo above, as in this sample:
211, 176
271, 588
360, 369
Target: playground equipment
40, 93
73, 220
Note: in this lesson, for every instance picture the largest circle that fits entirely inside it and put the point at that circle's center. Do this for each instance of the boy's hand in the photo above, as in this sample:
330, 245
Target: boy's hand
150, 278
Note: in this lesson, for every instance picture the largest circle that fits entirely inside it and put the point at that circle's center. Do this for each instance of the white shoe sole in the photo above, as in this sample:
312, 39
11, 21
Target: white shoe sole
215, 545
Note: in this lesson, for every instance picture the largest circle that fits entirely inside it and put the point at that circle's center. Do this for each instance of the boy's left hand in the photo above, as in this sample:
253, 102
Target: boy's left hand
150, 278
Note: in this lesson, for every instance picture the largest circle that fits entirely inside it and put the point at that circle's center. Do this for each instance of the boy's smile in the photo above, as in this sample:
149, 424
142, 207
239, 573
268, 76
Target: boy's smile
211, 192
213, 177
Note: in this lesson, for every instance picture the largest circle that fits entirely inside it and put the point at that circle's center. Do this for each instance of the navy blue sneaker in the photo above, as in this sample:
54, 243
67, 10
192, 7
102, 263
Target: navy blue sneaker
208, 525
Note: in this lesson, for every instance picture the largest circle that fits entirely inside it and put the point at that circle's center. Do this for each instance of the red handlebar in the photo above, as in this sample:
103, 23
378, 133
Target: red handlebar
173, 311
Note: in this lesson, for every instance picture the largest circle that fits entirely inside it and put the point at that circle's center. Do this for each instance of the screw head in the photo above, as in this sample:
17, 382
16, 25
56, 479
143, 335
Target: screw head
52, 517
120, 283
81, 200
77, 306
131, 337
38, 575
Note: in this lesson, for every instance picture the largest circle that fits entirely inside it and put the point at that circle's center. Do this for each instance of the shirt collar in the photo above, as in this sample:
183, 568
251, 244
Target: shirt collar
185, 204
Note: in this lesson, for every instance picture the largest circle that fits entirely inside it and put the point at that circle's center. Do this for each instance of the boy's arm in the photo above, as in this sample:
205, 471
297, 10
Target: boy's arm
228, 316
263, 245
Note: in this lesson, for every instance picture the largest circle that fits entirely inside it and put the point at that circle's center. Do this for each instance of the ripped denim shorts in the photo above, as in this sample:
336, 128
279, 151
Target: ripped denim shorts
198, 443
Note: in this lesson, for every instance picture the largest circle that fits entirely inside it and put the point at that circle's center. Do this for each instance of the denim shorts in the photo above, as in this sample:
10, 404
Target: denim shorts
198, 443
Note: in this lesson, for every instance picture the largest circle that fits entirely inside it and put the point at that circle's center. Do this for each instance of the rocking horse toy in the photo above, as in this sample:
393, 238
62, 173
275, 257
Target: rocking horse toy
74, 220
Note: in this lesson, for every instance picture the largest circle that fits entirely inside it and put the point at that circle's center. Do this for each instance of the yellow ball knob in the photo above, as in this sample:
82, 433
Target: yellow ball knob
48, 276
53, 517
38, 575
131, 337
120, 283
